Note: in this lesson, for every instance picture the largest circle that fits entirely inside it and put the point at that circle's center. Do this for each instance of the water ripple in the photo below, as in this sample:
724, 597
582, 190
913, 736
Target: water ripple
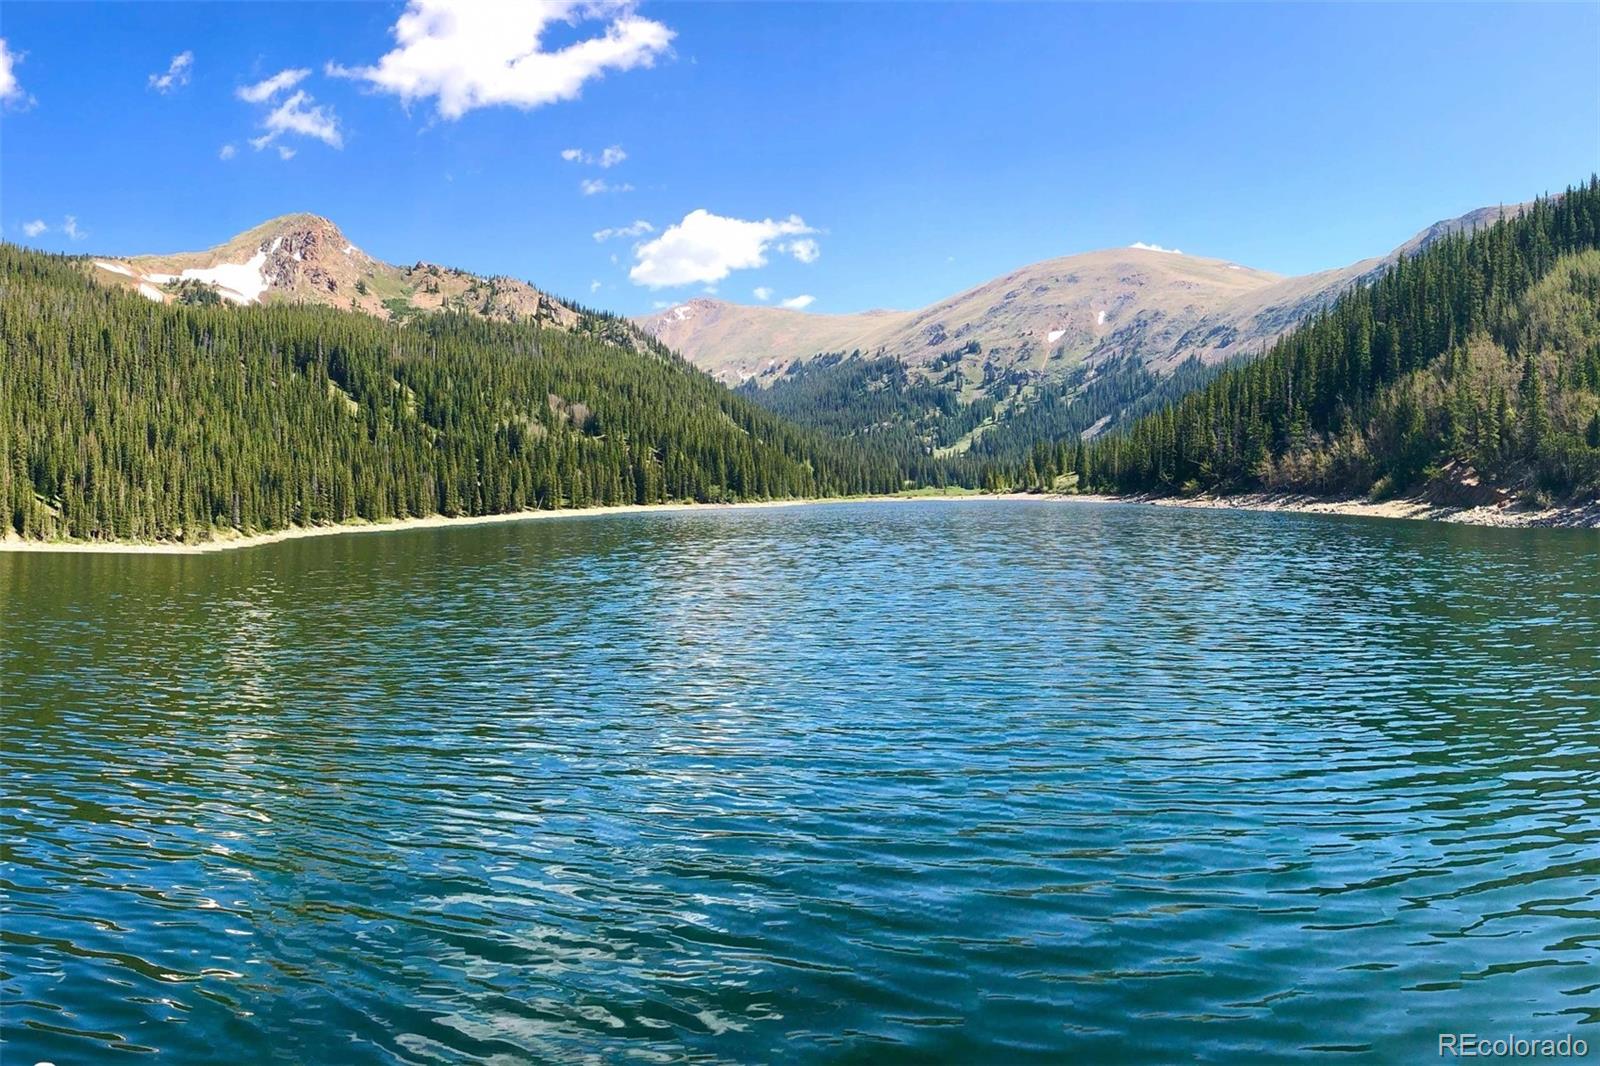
965, 782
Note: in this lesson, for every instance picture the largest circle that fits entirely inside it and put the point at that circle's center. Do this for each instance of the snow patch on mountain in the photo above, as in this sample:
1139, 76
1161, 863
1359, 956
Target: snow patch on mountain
241, 283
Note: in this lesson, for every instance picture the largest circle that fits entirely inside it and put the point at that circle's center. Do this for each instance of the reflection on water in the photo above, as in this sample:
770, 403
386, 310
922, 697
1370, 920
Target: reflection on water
974, 781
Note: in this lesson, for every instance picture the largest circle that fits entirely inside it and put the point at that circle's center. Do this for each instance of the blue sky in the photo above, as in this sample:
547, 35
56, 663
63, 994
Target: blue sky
870, 155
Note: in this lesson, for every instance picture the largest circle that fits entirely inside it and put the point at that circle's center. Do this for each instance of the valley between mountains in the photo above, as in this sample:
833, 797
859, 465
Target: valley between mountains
286, 378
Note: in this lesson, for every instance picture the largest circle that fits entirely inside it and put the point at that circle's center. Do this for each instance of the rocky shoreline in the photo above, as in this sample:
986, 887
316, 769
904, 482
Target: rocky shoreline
1507, 514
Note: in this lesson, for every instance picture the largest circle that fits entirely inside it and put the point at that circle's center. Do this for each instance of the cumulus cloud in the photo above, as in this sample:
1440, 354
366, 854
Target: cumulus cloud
637, 229
34, 228
762, 293
805, 249
467, 54
303, 115
706, 248
298, 113
177, 75
11, 93
1154, 248
797, 303
227, 151
69, 226
596, 186
262, 91
607, 158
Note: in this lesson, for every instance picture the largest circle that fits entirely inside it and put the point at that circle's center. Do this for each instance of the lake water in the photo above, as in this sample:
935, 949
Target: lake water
976, 782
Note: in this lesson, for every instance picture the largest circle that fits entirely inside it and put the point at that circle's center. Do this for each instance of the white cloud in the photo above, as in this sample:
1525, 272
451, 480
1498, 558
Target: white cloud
69, 226
596, 186
302, 115
11, 92
707, 248
797, 303
227, 151
262, 91
1154, 248
34, 228
594, 286
805, 250
660, 304
467, 54
608, 157
299, 113
762, 293
637, 229
177, 75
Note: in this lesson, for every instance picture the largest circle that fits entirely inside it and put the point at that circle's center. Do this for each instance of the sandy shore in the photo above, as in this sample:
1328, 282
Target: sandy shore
1579, 516
226, 542
1585, 516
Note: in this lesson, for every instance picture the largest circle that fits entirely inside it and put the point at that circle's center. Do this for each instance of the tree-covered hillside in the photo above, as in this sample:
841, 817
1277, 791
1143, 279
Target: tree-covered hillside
125, 419
872, 397
981, 430
1472, 367
1475, 362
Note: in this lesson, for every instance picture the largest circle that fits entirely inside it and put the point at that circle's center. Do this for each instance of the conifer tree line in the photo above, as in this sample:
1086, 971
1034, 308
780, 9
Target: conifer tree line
125, 419
980, 441
869, 396
1480, 353
120, 418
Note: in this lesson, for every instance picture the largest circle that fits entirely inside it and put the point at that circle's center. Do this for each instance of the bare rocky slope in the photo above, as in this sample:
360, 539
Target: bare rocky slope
1161, 308
306, 259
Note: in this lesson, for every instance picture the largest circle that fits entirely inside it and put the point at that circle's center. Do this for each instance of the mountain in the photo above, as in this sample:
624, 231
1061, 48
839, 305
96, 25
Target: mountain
733, 342
305, 259
1040, 322
211, 416
1468, 373
1475, 364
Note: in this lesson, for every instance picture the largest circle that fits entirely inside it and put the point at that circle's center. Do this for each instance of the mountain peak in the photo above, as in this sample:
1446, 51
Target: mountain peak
301, 218
305, 258
1040, 321
306, 231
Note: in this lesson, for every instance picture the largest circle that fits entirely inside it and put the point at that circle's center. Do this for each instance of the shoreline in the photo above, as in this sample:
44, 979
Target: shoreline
12, 543
1506, 516
1580, 516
